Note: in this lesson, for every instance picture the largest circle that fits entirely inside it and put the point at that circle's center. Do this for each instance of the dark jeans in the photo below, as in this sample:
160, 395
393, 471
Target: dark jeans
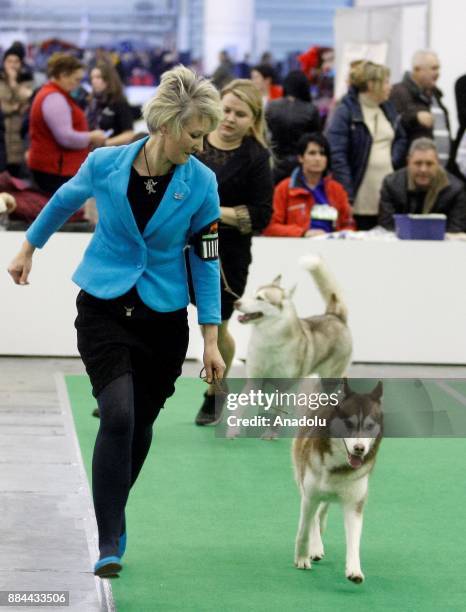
49, 183
15, 170
365, 222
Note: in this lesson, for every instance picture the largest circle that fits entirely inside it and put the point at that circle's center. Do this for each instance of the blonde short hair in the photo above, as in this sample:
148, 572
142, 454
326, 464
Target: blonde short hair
247, 92
363, 72
181, 95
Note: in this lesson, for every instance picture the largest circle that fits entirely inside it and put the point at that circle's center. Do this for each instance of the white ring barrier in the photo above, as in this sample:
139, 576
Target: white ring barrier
406, 299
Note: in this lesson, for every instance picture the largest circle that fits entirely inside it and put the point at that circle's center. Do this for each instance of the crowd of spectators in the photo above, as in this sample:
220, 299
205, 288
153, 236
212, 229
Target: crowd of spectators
136, 64
386, 151
47, 131
380, 151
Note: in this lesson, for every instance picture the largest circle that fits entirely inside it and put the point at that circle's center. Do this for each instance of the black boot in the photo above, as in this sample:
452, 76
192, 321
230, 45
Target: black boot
207, 414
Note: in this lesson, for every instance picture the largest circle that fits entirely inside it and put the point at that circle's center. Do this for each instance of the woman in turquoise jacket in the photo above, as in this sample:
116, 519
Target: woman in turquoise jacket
153, 199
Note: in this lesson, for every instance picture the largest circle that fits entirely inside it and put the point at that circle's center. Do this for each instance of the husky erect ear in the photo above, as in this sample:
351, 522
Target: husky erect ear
290, 293
277, 280
376, 394
346, 388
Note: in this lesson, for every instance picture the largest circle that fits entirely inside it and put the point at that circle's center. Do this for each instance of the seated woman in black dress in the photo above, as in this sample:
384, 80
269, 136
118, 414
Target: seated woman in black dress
237, 152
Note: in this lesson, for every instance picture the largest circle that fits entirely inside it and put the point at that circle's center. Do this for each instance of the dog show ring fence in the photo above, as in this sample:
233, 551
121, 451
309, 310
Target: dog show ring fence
406, 300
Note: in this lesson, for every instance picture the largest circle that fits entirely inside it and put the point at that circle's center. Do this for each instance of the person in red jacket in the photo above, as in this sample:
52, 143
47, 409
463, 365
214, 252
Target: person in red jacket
58, 130
309, 202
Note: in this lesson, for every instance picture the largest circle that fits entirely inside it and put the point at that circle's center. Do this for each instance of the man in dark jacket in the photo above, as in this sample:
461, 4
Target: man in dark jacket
419, 103
288, 118
423, 187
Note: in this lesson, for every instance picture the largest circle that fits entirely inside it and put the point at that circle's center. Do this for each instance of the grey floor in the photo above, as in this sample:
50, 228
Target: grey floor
47, 526
47, 529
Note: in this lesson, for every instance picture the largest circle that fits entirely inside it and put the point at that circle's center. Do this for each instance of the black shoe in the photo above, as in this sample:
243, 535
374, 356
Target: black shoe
207, 414
96, 413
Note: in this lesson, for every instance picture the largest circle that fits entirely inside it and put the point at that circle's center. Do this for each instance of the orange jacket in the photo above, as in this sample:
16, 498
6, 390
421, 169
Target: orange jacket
292, 206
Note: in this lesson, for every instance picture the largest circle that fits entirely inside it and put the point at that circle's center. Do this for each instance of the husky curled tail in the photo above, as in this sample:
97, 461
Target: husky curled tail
327, 285
283, 345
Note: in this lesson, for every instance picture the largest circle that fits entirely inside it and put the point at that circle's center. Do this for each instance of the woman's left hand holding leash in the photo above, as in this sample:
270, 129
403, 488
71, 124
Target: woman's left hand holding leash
213, 361
213, 364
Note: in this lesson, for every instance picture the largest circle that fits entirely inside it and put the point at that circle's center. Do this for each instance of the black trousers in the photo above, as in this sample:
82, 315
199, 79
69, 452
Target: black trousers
365, 222
49, 183
133, 363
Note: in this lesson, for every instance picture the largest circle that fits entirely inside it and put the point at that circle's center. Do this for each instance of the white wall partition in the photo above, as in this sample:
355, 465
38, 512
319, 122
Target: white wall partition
227, 25
403, 29
406, 299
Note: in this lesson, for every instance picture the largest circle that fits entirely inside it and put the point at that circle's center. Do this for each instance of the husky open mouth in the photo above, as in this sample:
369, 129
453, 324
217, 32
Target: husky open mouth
250, 316
355, 461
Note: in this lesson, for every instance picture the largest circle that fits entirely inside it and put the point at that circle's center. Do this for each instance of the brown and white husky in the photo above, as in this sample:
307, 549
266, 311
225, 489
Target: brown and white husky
337, 468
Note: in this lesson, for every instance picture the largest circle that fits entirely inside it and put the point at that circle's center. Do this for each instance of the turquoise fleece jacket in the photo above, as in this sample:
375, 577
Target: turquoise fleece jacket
118, 255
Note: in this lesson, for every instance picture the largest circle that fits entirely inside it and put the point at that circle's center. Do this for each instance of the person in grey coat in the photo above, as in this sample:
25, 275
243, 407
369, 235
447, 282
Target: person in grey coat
423, 187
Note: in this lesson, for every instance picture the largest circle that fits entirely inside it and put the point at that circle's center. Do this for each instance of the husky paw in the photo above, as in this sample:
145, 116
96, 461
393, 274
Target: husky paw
232, 433
356, 577
309, 262
317, 554
302, 563
317, 551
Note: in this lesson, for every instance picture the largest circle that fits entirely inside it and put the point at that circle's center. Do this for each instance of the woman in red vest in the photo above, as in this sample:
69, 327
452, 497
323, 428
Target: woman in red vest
58, 130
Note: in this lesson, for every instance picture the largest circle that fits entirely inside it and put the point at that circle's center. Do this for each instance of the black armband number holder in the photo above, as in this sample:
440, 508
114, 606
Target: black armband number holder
205, 242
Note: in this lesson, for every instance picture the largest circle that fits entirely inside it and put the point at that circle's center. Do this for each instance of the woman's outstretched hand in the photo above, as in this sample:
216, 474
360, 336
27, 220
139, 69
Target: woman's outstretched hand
21, 265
